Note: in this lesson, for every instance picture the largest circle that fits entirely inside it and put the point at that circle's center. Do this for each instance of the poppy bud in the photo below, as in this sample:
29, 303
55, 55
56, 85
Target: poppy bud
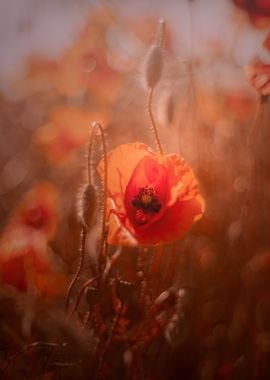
154, 66
87, 205
160, 33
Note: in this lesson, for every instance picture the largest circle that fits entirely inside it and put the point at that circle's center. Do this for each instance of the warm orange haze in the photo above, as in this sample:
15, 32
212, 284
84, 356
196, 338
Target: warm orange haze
135, 190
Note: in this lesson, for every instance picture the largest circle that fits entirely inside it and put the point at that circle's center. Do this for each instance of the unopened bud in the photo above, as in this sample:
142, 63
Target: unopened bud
87, 205
154, 66
160, 33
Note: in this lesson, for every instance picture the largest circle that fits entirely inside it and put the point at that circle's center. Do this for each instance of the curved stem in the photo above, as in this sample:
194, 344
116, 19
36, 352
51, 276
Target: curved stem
152, 120
29, 347
80, 265
108, 342
86, 284
86, 320
83, 229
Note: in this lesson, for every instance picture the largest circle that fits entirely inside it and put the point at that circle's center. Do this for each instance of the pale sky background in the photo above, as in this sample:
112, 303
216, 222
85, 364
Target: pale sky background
48, 27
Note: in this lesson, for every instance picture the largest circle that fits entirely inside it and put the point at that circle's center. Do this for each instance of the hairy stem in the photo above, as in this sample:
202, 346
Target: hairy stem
80, 265
152, 120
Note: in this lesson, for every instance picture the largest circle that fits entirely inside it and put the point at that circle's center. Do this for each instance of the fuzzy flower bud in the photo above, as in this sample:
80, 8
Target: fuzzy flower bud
154, 66
87, 205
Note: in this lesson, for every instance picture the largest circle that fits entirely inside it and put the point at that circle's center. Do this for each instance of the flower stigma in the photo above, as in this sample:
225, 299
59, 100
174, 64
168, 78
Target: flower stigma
146, 203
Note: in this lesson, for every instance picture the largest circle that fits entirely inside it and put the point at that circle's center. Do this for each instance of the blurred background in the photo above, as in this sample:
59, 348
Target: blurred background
67, 63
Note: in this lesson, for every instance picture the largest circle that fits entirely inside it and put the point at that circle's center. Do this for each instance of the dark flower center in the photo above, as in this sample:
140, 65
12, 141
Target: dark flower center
146, 201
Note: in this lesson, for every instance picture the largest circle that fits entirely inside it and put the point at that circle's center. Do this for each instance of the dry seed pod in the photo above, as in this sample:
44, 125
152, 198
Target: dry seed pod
154, 66
87, 205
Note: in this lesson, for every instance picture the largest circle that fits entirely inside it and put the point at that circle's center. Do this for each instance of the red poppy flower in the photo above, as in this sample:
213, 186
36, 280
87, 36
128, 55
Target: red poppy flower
153, 198
258, 75
23, 253
26, 260
258, 11
266, 43
39, 209
27, 263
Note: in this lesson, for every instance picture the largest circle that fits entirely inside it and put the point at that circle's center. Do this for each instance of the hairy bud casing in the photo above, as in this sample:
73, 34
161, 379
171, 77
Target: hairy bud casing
87, 205
154, 66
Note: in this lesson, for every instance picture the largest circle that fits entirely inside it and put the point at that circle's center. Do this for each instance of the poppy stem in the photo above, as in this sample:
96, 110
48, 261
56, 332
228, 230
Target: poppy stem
109, 339
152, 120
83, 228
252, 137
80, 265
156, 266
153, 76
103, 245
86, 284
28, 347
169, 272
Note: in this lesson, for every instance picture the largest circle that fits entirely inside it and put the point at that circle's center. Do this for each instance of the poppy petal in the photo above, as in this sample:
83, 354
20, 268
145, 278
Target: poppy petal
119, 234
121, 163
151, 175
175, 222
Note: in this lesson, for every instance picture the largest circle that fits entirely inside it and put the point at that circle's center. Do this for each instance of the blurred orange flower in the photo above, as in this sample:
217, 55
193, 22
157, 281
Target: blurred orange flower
153, 198
81, 67
258, 11
66, 132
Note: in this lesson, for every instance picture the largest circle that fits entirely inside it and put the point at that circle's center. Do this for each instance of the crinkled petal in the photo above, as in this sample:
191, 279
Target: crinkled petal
175, 222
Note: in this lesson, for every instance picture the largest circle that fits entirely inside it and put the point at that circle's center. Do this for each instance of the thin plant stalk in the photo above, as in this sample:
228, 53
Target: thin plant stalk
86, 284
80, 265
30, 347
108, 342
152, 120
160, 43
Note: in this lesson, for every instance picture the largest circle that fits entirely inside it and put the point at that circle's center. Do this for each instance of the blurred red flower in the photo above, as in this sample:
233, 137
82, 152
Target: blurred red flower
258, 75
266, 43
26, 261
153, 198
258, 11
39, 209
